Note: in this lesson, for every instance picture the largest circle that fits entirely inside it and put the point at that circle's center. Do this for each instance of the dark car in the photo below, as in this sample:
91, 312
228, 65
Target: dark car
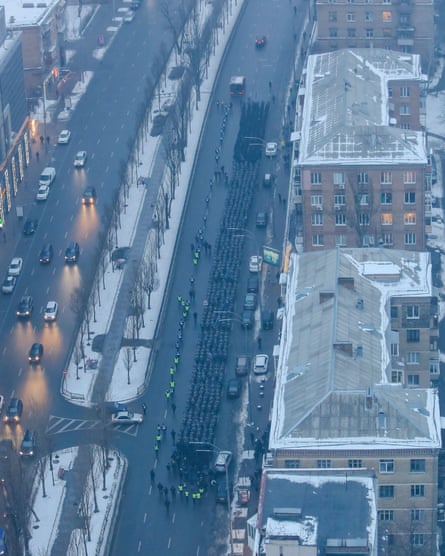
89, 196
14, 411
222, 492
25, 306
35, 353
72, 252
268, 180
242, 365
261, 219
250, 301
247, 319
252, 284
46, 253
30, 227
267, 320
28, 445
233, 388
260, 42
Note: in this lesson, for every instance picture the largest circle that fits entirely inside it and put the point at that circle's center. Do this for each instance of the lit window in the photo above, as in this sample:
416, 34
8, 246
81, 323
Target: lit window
409, 176
386, 16
409, 218
386, 218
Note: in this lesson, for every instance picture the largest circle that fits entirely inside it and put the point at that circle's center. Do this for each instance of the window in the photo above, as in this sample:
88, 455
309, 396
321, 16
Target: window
386, 466
405, 110
413, 335
386, 491
339, 178
354, 463
323, 463
387, 238
417, 514
386, 198
317, 200
417, 539
405, 125
413, 380
350, 16
363, 219
397, 377
413, 357
409, 218
317, 219
390, 92
410, 197
412, 312
387, 32
394, 350
315, 178
417, 466
340, 219
386, 177
362, 178
386, 515
364, 199
368, 240
332, 16
404, 91
386, 218
369, 33
368, 16
386, 16
434, 367
410, 238
332, 32
417, 491
340, 240
291, 463
339, 200
409, 176
317, 240
351, 32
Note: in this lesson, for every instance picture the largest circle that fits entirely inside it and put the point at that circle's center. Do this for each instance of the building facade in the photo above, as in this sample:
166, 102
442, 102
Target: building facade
360, 170
403, 25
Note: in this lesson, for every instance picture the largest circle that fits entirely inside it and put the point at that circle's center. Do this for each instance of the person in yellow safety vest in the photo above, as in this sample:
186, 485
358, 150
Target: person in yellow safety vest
198, 495
172, 371
172, 384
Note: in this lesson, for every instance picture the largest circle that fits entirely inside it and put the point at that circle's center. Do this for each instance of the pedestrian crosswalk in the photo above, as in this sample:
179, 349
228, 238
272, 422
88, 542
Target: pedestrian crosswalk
59, 425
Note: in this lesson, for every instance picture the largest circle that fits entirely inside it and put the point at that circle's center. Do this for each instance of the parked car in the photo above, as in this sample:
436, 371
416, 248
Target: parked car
126, 418
14, 411
89, 196
42, 193
222, 491
253, 284
35, 353
15, 266
50, 313
46, 254
64, 137
255, 263
9, 284
242, 365
80, 159
250, 301
47, 176
260, 364
271, 149
247, 319
72, 252
261, 219
222, 461
268, 180
30, 227
267, 320
28, 445
233, 388
25, 306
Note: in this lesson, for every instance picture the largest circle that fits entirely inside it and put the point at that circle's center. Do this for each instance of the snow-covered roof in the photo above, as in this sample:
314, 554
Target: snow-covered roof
345, 116
22, 13
8, 45
334, 354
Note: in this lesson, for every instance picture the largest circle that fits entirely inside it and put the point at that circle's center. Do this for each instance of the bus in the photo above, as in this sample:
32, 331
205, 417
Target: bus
237, 85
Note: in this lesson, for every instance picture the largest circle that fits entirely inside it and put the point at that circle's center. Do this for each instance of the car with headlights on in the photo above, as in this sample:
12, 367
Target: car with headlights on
25, 307
35, 353
80, 159
50, 313
28, 445
14, 411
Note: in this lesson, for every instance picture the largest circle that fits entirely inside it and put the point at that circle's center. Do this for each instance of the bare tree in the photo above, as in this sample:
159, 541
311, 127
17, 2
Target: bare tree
175, 18
128, 361
78, 303
147, 272
196, 53
77, 354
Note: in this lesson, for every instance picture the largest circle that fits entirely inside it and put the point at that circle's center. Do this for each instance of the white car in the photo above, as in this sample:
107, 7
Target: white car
9, 284
2, 403
129, 16
42, 193
81, 159
271, 149
64, 137
260, 364
255, 263
50, 313
222, 461
15, 266
126, 418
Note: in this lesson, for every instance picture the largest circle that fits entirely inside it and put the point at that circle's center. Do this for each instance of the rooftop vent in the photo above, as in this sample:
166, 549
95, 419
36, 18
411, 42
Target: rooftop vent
346, 281
325, 296
360, 304
381, 420
345, 347
287, 513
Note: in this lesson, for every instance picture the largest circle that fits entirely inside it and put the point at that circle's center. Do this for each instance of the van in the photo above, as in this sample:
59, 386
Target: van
3, 550
47, 176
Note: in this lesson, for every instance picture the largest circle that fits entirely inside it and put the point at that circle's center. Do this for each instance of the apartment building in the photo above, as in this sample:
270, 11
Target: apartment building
344, 399
403, 25
360, 170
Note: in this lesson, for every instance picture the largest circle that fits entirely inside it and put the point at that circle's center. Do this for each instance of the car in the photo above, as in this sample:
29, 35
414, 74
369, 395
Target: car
64, 137
267, 320
42, 193
255, 263
260, 41
50, 313
243, 496
135, 4
25, 306
72, 252
28, 445
80, 159
9, 284
47, 176
233, 388
30, 227
250, 301
14, 411
242, 365
260, 364
222, 492
46, 254
253, 284
2, 403
222, 461
129, 16
15, 266
35, 353
89, 196
268, 180
247, 319
261, 219
126, 417
271, 149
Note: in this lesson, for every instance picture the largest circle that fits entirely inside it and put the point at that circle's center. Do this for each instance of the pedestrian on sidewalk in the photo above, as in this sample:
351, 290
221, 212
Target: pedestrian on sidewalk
160, 488
173, 408
173, 435
259, 342
37, 156
152, 475
144, 408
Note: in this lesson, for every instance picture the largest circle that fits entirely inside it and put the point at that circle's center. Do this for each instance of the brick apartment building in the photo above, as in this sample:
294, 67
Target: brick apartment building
403, 25
360, 171
357, 325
